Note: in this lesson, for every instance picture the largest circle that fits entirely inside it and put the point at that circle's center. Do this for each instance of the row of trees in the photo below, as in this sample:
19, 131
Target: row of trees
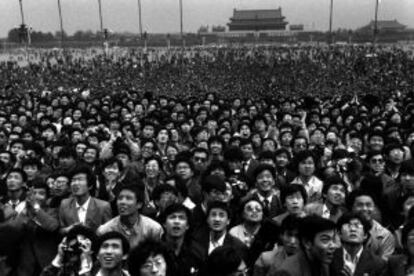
14, 35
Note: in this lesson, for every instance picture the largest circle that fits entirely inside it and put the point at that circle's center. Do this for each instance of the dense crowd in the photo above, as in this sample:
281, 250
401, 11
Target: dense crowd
208, 161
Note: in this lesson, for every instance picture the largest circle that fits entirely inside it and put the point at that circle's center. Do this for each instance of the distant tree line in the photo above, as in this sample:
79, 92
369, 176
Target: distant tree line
14, 35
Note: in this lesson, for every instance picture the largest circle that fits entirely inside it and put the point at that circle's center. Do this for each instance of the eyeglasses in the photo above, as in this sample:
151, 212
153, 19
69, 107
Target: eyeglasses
199, 159
377, 160
356, 225
151, 264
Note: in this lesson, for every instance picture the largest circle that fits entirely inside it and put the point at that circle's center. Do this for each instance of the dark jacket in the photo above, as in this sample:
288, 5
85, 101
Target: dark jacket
368, 264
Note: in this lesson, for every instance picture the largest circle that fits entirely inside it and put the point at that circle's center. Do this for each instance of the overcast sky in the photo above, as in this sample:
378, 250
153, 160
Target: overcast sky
162, 16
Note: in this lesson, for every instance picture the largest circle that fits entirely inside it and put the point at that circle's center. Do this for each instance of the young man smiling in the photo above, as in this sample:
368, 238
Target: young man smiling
113, 250
218, 220
130, 223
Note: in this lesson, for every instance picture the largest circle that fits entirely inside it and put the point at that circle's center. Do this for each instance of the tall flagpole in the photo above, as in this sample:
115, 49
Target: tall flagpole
100, 16
61, 24
376, 21
181, 19
21, 11
330, 22
140, 18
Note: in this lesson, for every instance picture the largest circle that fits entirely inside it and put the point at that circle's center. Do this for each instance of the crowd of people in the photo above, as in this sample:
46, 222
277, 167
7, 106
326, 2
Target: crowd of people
208, 161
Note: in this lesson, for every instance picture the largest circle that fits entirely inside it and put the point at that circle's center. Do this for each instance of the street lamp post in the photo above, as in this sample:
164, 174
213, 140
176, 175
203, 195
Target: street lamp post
181, 23
61, 24
21, 11
330, 22
376, 22
140, 18
100, 17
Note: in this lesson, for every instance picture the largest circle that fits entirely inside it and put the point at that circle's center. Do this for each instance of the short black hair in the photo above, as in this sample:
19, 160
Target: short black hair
176, 208
183, 159
264, 167
311, 225
293, 189
333, 180
357, 193
163, 188
302, 156
83, 169
138, 190
347, 217
19, 171
112, 160
148, 248
114, 235
219, 205
32, 162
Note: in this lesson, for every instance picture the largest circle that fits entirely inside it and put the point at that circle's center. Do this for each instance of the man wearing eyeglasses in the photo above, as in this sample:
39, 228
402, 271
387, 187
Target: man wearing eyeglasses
353, 258
381, 241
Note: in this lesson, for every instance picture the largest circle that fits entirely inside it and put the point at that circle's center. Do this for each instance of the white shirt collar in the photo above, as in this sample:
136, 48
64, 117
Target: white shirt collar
262, 198
215, 244
84, 206
352, 263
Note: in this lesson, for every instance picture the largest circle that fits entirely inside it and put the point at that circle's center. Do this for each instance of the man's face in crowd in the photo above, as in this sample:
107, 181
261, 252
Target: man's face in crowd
336, 194
148, 132
124, 158
14, 181
282, 160
214, 195
407, 182
31, 171
376, 143
76, 136
269, 145
67, 162
396, 156
216, 147
265, 181
110, 254
147, 150
353, 232
322, 247
176, 224
299, 144
5, 158
183, 170
3, 138
80, 149
40, 195
307, 167
253, 212
377, 163
294, 203
127, 203
245, 131
247, 150
16, 148
90, 155
200, 161
61, 186
218, 220
365, 206
162, 136
79, 185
